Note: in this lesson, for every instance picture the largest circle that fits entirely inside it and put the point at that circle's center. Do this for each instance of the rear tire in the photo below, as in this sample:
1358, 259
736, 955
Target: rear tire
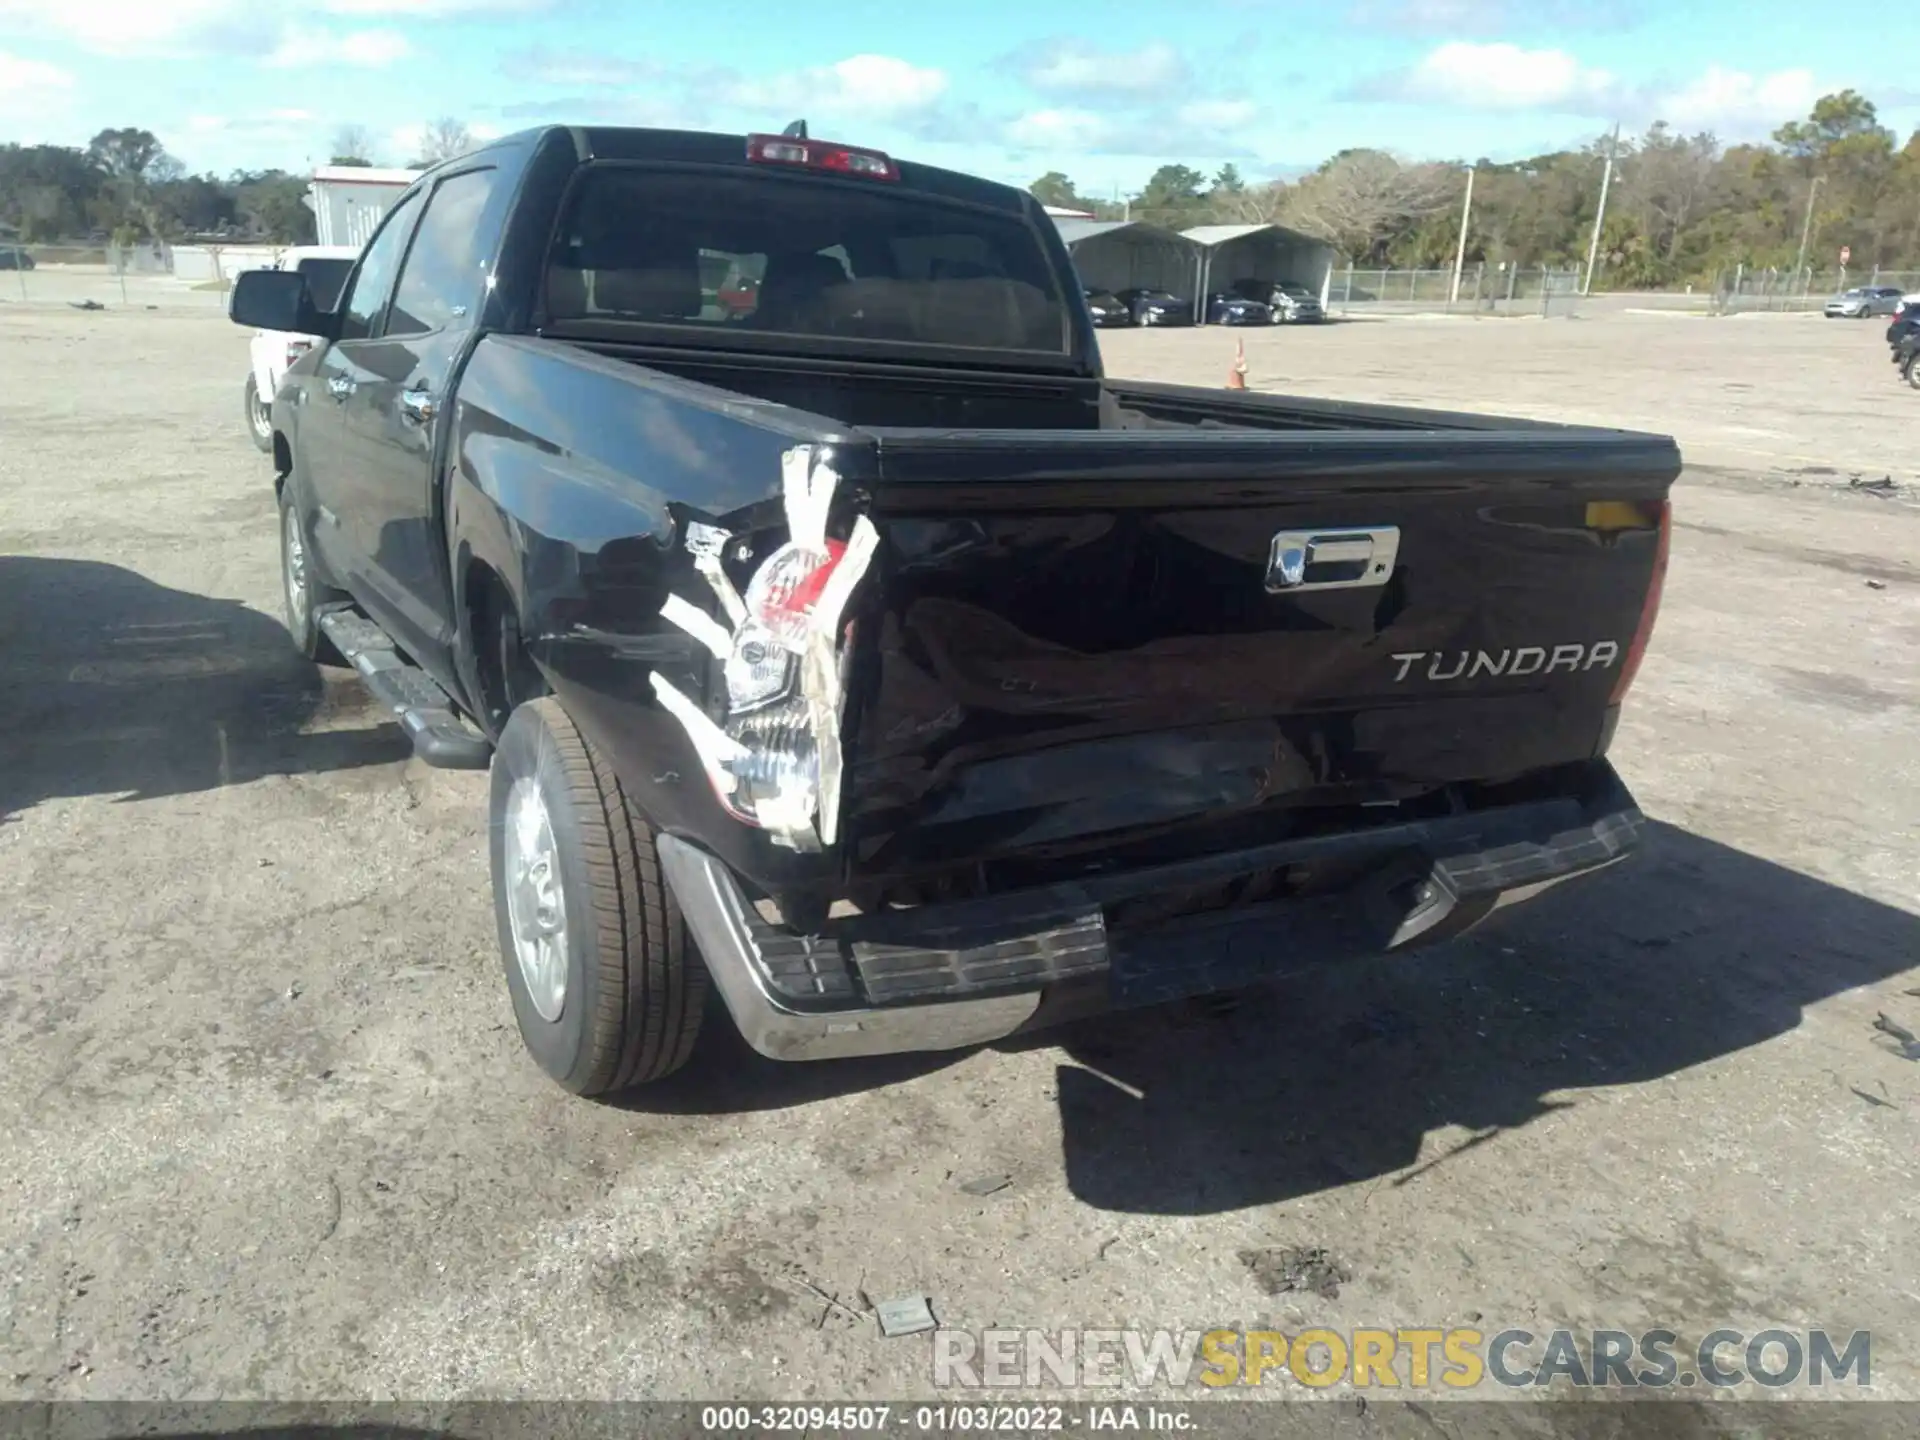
302, 594
1910, 371
607, 988
259, 417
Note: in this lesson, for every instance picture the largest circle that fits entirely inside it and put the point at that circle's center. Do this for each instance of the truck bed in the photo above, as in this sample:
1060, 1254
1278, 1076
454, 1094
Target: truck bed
877, 396
1071, 645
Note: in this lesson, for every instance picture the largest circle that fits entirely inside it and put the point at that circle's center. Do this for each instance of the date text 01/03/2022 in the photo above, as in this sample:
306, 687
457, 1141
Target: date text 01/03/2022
939, 1419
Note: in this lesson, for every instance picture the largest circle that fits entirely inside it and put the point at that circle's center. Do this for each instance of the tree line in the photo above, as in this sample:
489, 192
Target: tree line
124, 189
1680, 208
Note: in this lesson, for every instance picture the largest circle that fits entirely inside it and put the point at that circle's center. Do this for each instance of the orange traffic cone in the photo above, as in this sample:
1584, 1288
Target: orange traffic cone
1237, 372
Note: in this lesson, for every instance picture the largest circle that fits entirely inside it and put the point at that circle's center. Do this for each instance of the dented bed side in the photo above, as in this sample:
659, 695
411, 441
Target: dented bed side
626, 514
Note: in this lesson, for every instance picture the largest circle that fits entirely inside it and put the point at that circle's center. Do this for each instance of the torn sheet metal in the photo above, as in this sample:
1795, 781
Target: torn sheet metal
700, 625
782, 659
706, 543
719, 752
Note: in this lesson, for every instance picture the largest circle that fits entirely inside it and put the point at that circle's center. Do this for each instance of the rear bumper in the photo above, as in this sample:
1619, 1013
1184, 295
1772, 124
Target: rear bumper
951, 976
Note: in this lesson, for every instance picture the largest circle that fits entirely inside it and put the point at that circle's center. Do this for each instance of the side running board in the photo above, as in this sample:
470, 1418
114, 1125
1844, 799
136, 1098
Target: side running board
425, 711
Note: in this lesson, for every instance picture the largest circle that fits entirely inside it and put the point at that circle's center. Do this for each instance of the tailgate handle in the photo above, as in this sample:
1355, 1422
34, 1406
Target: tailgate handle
1345, 559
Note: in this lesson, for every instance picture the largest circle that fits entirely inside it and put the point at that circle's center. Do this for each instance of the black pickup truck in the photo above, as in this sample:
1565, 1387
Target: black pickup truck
864, 651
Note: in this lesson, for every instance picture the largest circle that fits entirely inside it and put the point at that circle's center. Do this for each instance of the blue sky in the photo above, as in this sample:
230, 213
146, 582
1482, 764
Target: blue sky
1105, 92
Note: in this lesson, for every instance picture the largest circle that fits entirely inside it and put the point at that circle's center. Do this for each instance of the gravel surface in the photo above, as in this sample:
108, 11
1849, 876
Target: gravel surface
266, 1129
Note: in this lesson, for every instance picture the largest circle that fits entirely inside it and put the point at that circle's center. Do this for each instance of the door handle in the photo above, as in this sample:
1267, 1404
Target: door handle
340, 387
1332, 559
416, 405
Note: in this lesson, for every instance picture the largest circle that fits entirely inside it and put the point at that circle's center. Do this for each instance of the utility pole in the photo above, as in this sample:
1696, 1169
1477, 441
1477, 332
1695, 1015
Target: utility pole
1460, 255
1806, 227
1600, 215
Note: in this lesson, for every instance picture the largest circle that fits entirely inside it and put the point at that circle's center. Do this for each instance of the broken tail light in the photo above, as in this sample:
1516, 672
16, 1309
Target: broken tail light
780, 603
785, 590
821, 155
774, 758
1649, 606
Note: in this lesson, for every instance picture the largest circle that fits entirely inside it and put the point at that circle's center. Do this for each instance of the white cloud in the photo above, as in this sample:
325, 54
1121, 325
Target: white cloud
1060, 131
1227, 115
123, 27
871, 86
184, 28
1500, 76
246, 140
434, 9
32, 94
362, 49
1202, 131
1494, 17
1733, 104
275, 122
1079, 68
19, 76
578, 68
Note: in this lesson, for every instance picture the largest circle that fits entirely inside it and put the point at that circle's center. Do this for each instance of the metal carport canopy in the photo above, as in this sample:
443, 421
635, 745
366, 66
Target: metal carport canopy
1128, 254
1287, 254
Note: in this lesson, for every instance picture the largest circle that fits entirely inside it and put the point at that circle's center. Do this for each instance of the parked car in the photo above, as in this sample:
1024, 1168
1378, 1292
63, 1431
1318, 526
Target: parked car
273, 353
1864, 301
1290, 303
1150, 306
1106, 309
1906, 356
14, 257
843, 661
1904, 323
1237, 310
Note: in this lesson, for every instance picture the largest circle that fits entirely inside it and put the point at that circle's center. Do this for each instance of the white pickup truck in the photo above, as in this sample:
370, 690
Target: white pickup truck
274, 351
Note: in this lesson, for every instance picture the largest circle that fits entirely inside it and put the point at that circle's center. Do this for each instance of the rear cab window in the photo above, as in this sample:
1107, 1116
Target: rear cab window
325, 277
733, 252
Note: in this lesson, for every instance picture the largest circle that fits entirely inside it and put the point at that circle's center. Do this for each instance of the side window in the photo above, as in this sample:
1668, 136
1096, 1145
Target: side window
441, 281
375, 281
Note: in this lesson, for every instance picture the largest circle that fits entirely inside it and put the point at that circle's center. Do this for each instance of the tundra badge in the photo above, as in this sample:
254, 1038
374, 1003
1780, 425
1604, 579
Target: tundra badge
1526, 660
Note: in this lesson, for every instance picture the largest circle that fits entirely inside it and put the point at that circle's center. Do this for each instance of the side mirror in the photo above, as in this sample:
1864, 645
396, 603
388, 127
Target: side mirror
278, 300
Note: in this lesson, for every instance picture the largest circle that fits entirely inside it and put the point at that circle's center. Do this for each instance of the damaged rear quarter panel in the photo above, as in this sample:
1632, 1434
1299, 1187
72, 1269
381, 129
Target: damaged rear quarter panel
574, 479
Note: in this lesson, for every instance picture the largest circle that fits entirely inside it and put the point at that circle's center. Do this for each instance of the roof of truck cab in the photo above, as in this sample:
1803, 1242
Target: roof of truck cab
705, 147
364, 175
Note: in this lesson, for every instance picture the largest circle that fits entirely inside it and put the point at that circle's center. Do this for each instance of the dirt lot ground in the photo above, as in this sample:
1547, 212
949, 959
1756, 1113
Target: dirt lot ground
266, 1129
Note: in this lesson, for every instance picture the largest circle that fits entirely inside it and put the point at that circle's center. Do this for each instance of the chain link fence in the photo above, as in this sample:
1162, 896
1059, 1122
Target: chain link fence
1745, 289
150, 276
1483, 290
200, 276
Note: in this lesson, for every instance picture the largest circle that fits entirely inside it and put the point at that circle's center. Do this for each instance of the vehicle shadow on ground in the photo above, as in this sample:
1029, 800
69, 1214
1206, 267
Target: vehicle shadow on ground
1696, 952
111, 684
